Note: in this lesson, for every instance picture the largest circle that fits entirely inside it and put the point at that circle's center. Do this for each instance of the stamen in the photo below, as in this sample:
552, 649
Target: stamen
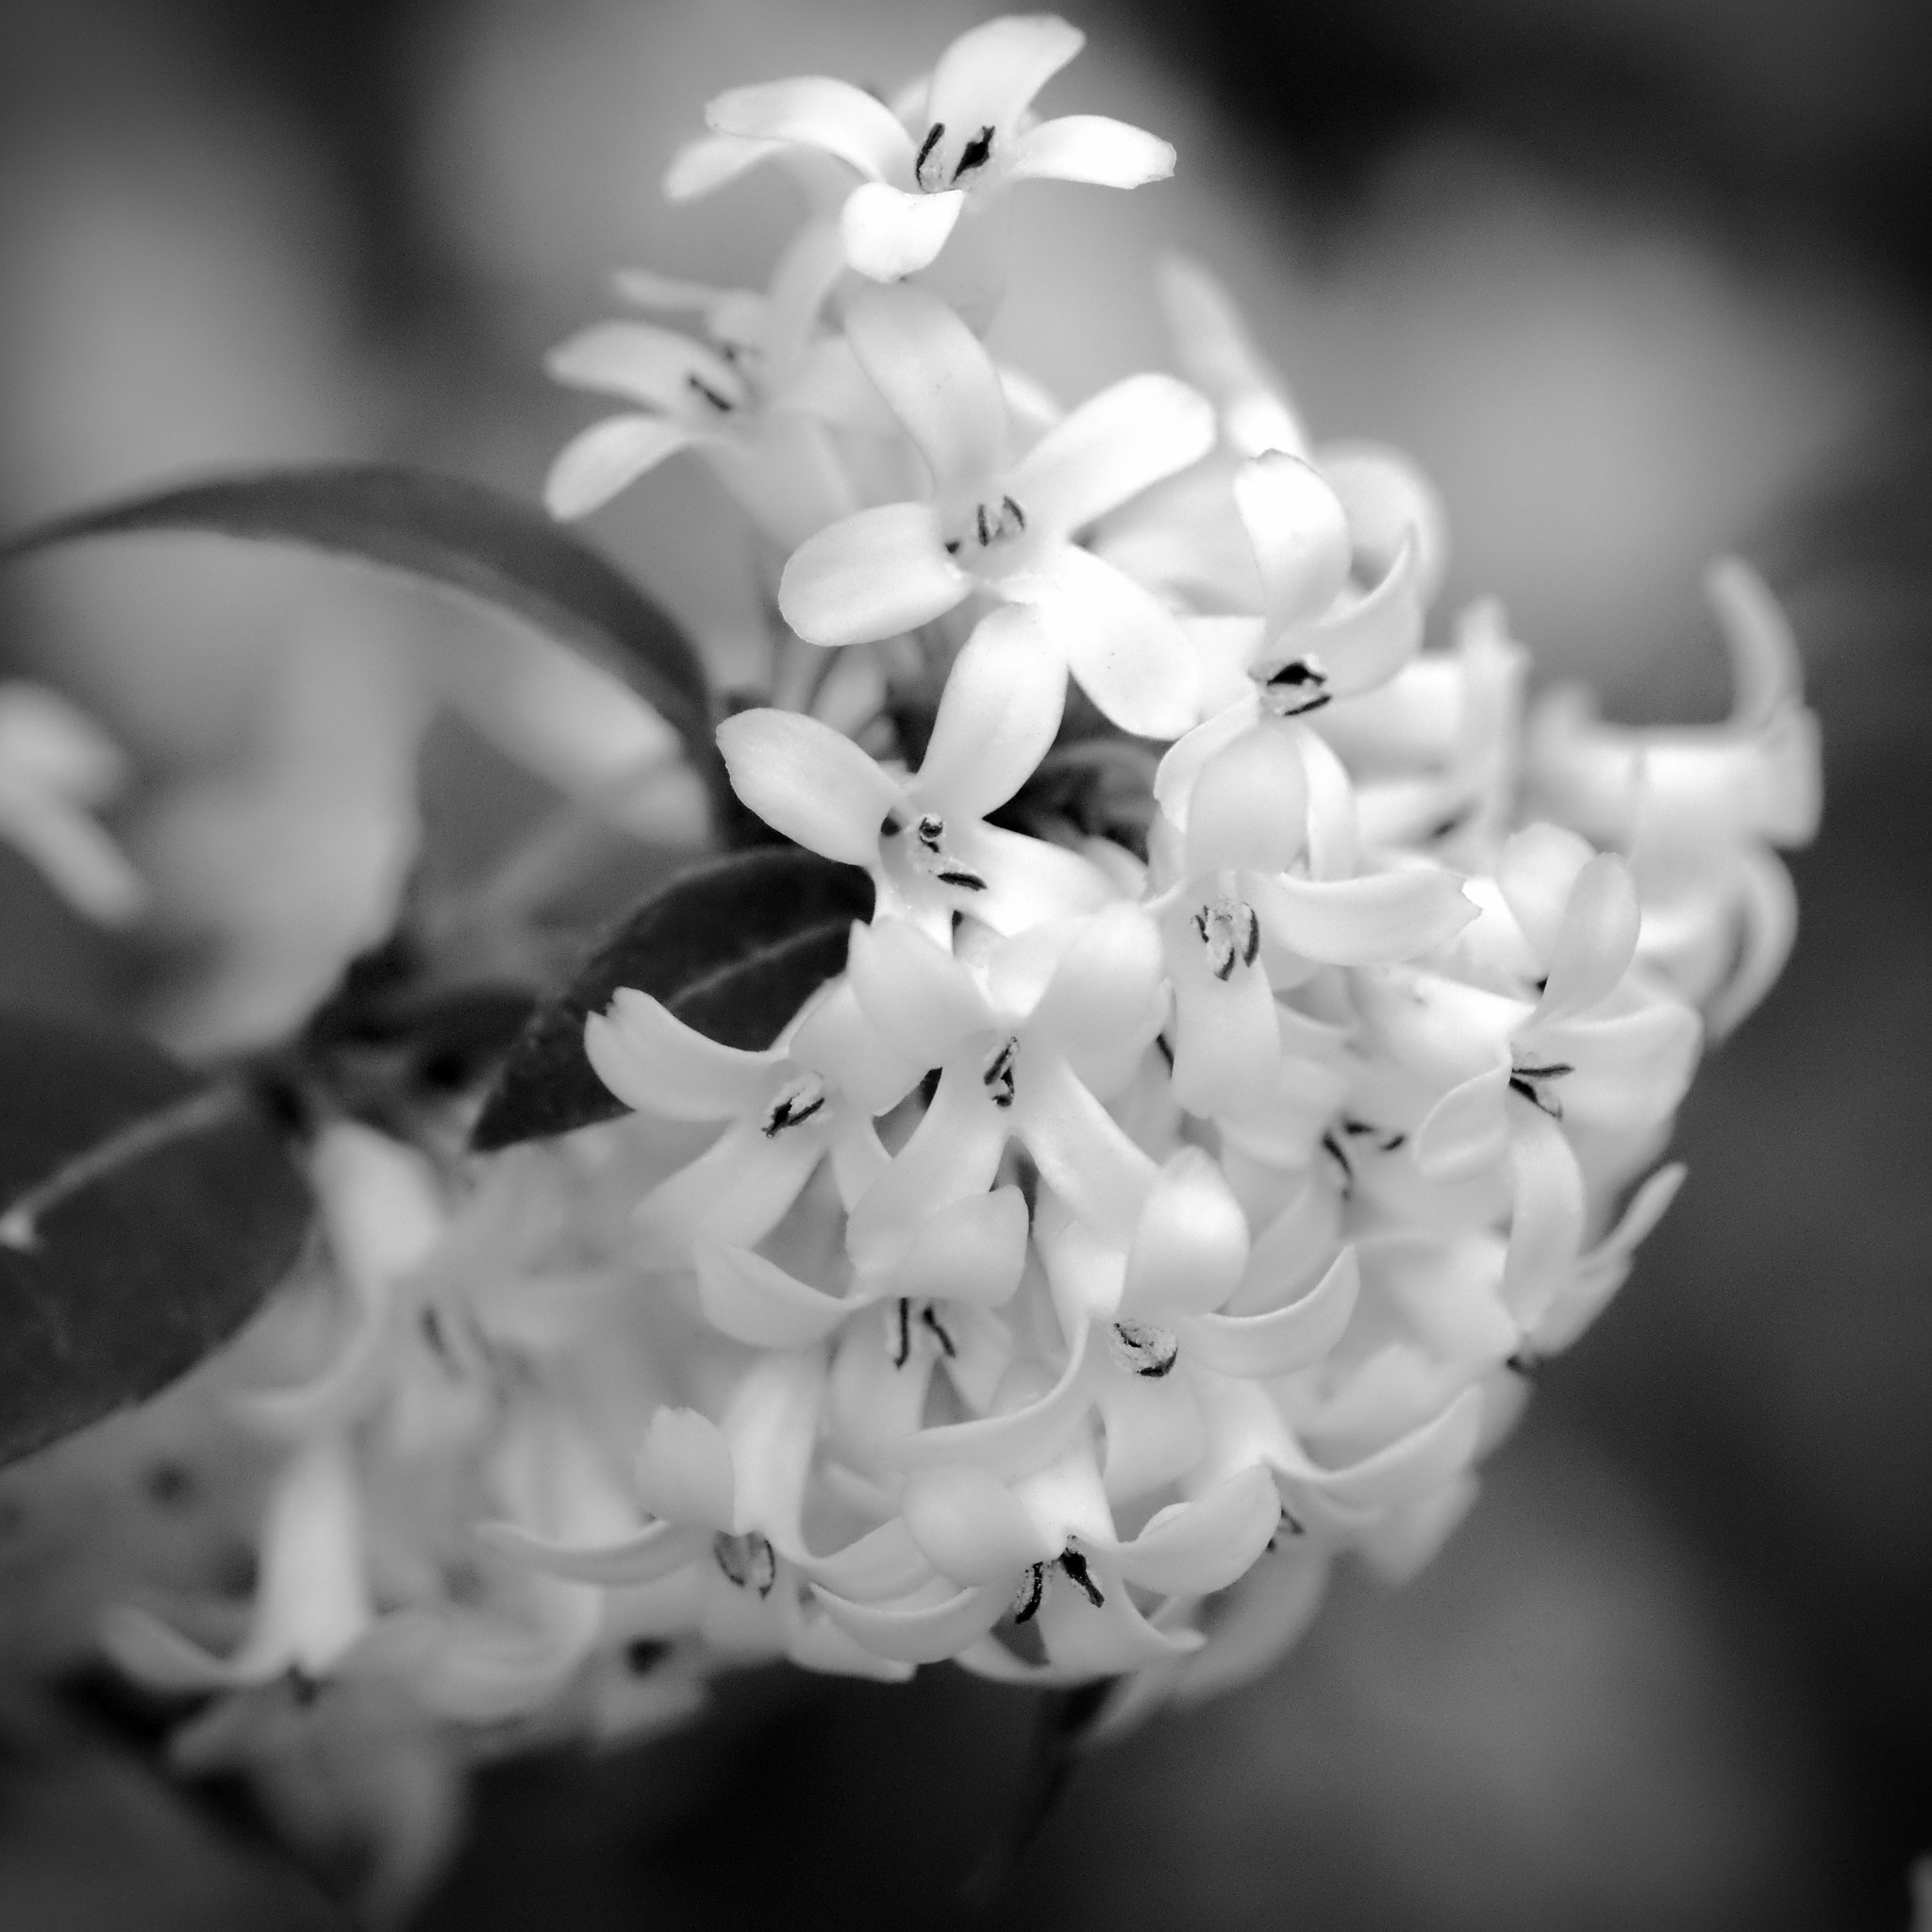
930, 1319
1075, 1564
748, 1560
1143, 1348
1032, 1588
797, 1103
933, 135
1523, 1081
979, 518
903, 1353
975, 154
931, 830
1013, 511
1299, 686
1228, 928
998, 1077
722, 404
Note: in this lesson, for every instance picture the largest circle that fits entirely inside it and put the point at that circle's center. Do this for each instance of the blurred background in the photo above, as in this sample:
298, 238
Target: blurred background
1637, 281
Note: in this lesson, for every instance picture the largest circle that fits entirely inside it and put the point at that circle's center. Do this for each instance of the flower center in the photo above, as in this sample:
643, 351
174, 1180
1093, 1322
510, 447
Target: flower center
1300, 685
927, 853
748, 1560
1232, 935
1143, 1348
795, 1105
930, 167
1528, 1082
997, 1075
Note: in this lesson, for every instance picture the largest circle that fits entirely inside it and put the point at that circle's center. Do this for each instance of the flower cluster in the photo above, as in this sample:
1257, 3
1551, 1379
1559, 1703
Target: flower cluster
1259, 1055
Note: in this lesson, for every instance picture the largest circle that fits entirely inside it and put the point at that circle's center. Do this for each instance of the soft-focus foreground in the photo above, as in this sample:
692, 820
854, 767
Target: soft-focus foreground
1156, 1040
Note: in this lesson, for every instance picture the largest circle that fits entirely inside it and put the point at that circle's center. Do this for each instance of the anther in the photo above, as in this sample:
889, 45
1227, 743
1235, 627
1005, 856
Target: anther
1143, 1348
933, 135
721, 403
975, 154
931, 830
1026, 1599
998, 1076
929, 1319
1075, 1564
1231, 933
1300, 685
797, 1105
748, 1560
903, 1352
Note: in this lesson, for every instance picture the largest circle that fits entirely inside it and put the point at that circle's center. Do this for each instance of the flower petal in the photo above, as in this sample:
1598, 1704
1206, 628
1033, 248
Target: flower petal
929, 1634
656, 368
1466, 1131
988, 75
1219, 356
1261, 1346
737, 1190
884, 1562
1299, 532
1080, 1150
1226, 1038
653, 1061
810, 782
1388, 499
871, 576
918, 995
657, 1551
831, 115
970, 1525
972, 1250
953, 1155
1009, 1445
1111, 448
1367, 642
1104, 997
1090, 147
1376, 919
1248, 809
887, 233
701, 166
608, 457
685, 1472
1191, 1242
997, 717
1768, 922
1195, 1548
755, 1301
1128, 651
1410, 1467
1595, 943
1546, 1223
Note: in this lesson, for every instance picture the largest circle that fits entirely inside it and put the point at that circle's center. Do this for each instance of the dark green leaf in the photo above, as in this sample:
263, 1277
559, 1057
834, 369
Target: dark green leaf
144, 1212
733, 948
491, 547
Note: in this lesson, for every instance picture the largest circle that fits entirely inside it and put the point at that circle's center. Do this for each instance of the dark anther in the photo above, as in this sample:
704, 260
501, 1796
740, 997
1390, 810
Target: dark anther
1555, 1070
1251, 946
952, 547
641, 1653
697, 382
1075, 1564
931, 831
1292, 1526
748, 1560
1293, 676
1143, 1348
1166, 1051
975, 154
892, 826
1442, 827
1010, 510
930, 1319
998, 1076
903, 1350
966, 881
431, 1322
1522, 1079
1353, 1127
933, 135
1296, 688
984, 528
1392, 1142
791, 1109
1523, 1363
1333, 1147
1026, 1602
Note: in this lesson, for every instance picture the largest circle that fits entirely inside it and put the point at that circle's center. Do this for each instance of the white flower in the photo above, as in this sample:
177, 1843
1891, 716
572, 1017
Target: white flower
1005, 525
968, 138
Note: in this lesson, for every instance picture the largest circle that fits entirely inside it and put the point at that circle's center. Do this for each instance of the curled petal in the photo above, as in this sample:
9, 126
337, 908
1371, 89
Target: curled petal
1257, 1347
1766, 671
883, 1563
1007, 1446
997, 716
1368, 642
831, 115
1536, 872
1176, 775
737, 1190
871, 576
1376, 920
1768, 922
953, 1155
653, 1061
836, 1040
1466, 1131
810, 782
1090, 147
655, 1552
1111, 448
970, 1251
755, 1301
937, 379
1226, 1038
1081, 1151
701, 166
1595, 943
1546, 1225
1087, 1639
1106, 989
1195, 1548
927, 1634
887, 233
685, 1472
1128, 650
1630, 1071
656, 368
1249, 807
1386, 499
1407, 1467
970, 1524
1190, 1244
608, 457
1218, 355
988, 75
918, 995
1299, 533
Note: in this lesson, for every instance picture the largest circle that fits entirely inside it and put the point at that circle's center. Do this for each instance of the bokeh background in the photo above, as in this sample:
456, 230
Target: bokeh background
1637, 281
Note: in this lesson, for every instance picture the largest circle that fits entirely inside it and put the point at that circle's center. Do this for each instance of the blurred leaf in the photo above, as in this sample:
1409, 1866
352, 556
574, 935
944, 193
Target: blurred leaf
144, 1212
733, 948
496, 549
